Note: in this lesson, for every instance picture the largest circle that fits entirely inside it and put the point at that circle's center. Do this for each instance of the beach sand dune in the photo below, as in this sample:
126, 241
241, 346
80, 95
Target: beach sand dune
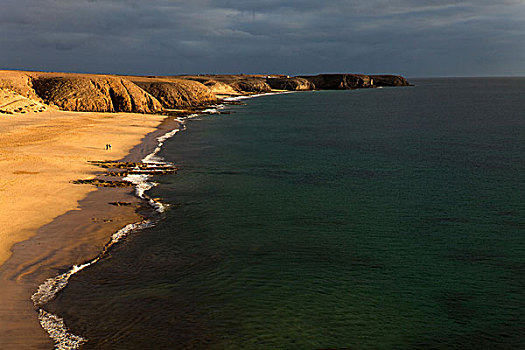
12, 102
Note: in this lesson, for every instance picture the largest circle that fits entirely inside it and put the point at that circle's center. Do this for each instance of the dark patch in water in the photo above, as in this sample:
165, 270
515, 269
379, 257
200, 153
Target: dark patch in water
456, 306
465, 255
445, 220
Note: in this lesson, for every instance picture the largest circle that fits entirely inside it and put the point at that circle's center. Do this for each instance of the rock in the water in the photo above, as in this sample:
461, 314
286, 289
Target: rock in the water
291, 84
91, 93
340, 81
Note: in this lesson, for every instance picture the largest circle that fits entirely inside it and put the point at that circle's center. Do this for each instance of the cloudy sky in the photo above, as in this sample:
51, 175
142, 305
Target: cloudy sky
416, 38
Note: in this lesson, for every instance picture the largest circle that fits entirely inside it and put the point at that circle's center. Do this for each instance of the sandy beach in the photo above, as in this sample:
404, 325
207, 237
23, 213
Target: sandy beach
40, 154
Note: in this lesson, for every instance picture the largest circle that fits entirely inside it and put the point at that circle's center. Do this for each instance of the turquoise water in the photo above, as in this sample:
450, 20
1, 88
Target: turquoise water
371, 219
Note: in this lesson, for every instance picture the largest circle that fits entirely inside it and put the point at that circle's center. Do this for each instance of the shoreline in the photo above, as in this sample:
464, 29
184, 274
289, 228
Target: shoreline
24, 274
44, 154
146, 214
80, 229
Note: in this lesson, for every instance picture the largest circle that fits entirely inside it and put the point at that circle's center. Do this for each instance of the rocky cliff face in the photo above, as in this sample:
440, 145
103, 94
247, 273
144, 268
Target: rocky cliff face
176, 93
389, 80
290, 84
340, 81
95, 94
107, 93
261, 84
216, 87
239, 83
251, 85
219, 88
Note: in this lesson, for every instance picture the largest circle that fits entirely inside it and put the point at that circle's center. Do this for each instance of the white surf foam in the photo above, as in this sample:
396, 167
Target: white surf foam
245, 97
47, 291
141, 181
213, 110
57, 330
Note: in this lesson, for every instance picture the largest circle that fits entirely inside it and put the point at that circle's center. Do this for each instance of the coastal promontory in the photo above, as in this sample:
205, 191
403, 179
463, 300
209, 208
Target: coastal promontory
26, 91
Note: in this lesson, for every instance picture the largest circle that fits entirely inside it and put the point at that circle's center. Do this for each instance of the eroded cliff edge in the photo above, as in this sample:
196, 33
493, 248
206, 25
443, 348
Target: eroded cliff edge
156, 94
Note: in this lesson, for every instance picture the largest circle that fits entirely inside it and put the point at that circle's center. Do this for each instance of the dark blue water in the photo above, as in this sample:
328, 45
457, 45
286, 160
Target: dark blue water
371, 219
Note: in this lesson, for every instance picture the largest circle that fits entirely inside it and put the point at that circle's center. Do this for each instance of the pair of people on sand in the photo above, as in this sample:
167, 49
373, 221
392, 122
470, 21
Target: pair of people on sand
108, 146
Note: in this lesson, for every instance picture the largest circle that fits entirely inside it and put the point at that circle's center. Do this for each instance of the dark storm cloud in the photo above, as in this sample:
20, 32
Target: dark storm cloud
413, 37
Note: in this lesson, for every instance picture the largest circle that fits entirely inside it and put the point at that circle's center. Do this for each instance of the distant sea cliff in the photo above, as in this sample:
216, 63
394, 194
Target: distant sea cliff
23, 90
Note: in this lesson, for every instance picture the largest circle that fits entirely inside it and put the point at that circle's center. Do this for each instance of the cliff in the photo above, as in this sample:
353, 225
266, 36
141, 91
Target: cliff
219, 88
290, 83
105, 93
32, 91
389, 80
340, 81
215, 86
251, 85
355, 81
176, 93
95, 94
239, 83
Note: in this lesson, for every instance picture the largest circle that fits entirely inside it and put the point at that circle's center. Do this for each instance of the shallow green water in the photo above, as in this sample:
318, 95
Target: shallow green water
372, 219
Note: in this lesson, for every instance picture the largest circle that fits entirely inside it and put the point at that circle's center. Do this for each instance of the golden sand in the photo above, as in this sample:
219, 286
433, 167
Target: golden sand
41, 153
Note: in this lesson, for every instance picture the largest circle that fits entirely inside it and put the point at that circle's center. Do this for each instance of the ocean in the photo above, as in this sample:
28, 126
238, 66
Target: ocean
389, 218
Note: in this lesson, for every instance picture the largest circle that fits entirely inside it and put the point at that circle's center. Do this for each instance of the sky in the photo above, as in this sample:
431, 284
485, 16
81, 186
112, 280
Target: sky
415, 38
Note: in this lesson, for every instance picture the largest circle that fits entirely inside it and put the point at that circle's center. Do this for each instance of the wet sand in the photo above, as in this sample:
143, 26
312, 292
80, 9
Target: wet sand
47, 223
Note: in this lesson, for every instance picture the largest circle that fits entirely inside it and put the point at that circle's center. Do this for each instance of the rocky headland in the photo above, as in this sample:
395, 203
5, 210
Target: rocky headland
290, 83
23, 92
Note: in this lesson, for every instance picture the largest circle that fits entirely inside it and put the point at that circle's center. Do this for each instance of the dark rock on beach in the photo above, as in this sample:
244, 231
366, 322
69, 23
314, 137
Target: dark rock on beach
120, 204
103, 183
132, 168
